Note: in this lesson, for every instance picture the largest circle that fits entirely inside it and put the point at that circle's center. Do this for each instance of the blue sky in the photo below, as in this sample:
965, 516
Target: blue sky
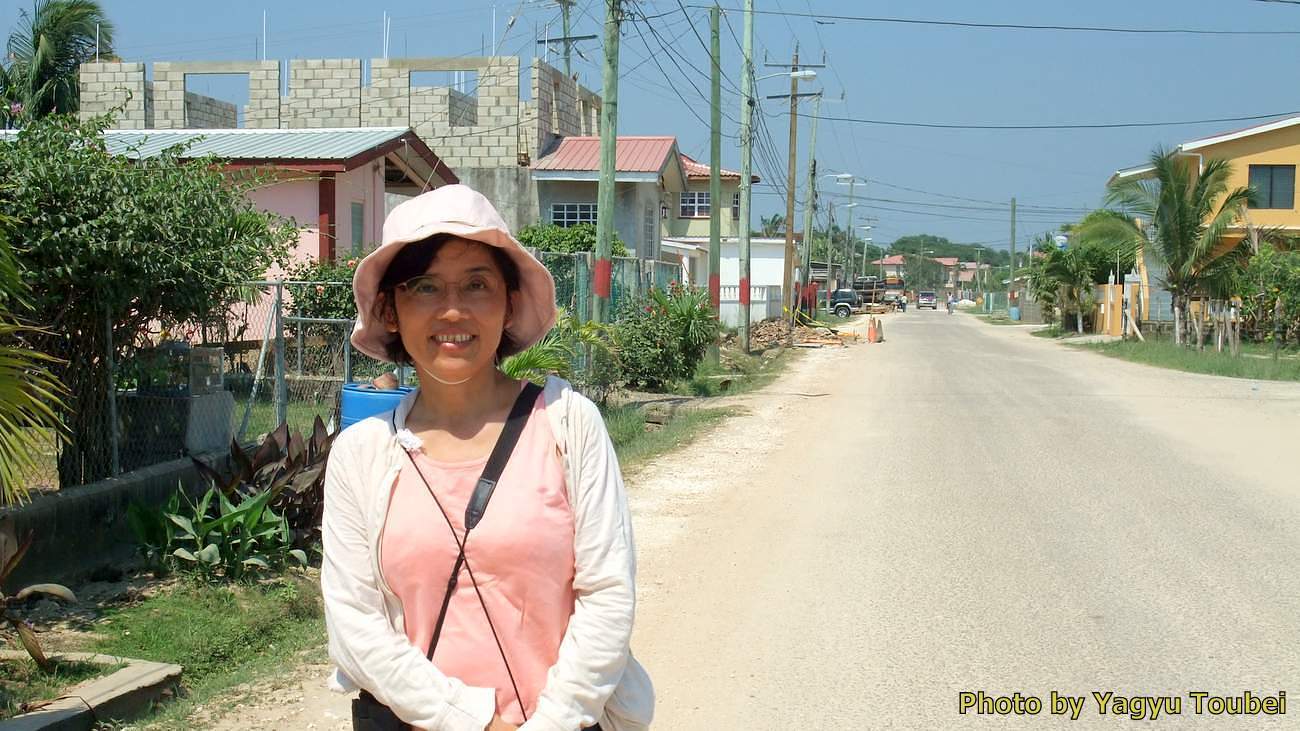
884, 71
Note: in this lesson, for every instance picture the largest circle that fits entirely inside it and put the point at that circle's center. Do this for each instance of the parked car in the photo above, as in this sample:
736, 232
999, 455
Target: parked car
927, 299
844, 302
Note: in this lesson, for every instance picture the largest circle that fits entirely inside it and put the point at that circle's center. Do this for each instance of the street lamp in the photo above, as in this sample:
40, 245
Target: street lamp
802, 75
848, 243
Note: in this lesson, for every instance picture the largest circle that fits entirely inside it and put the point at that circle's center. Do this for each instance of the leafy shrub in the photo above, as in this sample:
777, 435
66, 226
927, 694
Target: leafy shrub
219, 538
290, 469
649, 353
559, 352
691, 316
566, 239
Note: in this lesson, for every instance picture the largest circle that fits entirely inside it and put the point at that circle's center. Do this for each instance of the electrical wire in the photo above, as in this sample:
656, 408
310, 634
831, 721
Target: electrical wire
1013, 26
1080, 125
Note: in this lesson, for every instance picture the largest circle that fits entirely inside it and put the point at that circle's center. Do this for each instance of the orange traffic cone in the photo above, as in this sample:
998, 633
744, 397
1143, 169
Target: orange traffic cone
871, 330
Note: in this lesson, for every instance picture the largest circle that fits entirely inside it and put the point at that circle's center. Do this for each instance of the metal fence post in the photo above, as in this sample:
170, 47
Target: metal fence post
298, 331
347, 352
281, 386
113, 435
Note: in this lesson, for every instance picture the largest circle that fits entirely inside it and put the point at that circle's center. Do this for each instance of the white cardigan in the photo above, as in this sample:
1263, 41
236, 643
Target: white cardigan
594, 679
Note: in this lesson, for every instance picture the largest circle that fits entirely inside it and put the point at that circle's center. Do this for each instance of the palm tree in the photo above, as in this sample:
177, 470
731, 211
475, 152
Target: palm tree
1190, 213
1067, 269
772, 225
29, 395
47, 49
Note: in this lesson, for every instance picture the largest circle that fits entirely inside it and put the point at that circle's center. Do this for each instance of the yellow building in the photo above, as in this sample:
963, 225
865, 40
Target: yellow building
1263, 157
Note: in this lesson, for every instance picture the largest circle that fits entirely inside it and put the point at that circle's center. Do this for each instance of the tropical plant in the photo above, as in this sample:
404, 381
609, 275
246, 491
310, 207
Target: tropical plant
29, 394
11, 554
154, 532
219, 538
1190, 213
1073, 275
649, 355
559, 350
47, 49
114, 245
287, 468
566, 239
772, 225
690, 314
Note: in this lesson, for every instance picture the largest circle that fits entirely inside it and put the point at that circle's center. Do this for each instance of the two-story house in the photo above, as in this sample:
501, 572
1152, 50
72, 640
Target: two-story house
688, 232
662, 205
648, 175
1263, 157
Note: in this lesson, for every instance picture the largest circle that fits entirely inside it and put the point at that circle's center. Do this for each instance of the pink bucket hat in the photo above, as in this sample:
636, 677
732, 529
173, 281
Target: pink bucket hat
460, 211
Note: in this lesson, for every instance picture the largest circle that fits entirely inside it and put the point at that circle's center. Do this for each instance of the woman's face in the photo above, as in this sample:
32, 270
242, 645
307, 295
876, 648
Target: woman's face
451, 318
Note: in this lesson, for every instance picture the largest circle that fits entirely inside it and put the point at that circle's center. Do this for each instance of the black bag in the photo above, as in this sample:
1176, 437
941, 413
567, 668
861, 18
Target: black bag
368, 714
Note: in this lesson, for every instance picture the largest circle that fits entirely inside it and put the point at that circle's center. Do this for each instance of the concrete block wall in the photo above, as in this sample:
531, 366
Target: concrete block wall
486, 129
323, 92
386, 102
263, 108
107, 85
560, 107
205, 112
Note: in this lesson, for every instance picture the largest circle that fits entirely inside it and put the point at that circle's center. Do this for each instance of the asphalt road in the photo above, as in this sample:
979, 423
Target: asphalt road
968, 508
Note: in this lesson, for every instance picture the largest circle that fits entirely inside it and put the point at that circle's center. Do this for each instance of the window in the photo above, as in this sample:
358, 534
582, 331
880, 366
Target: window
1274, 186
572, 214
651, 228
694, 204
735, 206
358, 227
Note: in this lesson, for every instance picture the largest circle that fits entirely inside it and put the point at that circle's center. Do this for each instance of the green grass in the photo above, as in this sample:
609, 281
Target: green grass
222, 636
22, 681
1165, 354
635, 446
741, 372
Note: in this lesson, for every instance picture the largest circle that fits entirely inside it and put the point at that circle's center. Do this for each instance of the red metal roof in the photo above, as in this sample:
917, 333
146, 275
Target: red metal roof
966, 276
891, 261
948, 261
696, 170
633, 154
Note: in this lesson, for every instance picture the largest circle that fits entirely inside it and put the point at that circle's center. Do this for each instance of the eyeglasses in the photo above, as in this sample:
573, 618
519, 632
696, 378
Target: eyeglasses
474, 290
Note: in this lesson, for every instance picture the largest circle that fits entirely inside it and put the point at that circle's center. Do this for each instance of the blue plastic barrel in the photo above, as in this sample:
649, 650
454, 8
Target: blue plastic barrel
1014, 313
362, 400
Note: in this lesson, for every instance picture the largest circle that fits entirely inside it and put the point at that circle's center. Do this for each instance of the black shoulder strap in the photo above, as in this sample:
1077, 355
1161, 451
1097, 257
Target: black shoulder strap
496, 463
478, 502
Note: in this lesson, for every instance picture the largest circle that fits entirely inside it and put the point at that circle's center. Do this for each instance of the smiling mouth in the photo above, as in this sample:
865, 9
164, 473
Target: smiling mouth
458, 339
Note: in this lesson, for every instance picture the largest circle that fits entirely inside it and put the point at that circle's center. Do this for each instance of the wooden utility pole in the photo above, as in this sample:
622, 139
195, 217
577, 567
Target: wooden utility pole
567, 40
746, 166
715, 164
787, 291
565, 5
1011, 279
608, 151
810, 202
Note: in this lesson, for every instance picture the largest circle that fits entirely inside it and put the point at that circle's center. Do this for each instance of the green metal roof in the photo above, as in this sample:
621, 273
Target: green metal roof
249, 144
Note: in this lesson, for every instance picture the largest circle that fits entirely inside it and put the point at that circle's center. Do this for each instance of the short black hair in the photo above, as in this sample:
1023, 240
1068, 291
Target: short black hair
413, 260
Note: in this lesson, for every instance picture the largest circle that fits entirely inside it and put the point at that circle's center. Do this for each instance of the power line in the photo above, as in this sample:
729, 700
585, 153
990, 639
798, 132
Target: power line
1013, 26
1102, 125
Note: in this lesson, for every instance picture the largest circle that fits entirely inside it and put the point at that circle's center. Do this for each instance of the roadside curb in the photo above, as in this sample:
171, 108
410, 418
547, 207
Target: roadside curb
125, 694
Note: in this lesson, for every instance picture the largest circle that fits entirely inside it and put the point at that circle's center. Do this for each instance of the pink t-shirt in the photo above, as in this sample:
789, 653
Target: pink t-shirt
521, 553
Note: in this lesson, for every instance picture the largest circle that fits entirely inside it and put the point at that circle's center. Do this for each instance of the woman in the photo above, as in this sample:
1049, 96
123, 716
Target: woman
533, 623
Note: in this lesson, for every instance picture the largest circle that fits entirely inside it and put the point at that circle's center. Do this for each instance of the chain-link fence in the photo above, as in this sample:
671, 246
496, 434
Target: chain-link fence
264, 359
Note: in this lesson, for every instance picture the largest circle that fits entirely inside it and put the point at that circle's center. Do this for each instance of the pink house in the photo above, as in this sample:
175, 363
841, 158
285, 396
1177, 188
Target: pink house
333, 183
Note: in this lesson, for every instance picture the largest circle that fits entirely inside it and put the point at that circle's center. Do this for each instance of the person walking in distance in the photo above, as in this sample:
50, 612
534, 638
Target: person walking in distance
478, 568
